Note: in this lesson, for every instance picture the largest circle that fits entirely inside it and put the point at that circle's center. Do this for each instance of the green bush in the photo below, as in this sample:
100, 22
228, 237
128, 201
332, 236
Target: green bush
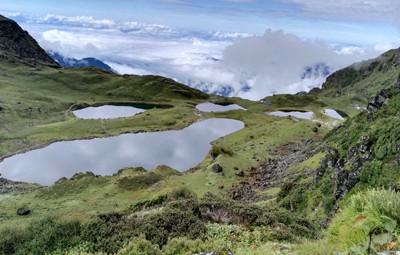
139, 181
140, 246
109, 232
172, 223
377, 174
147, 204
40, 237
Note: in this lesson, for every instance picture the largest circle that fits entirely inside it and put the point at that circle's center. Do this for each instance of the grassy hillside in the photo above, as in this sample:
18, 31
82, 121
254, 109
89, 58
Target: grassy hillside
283, 186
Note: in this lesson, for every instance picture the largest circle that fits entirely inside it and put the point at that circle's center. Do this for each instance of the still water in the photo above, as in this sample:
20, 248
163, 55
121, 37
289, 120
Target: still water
107, 112
181, 150
210, 107
296, 114
333, 114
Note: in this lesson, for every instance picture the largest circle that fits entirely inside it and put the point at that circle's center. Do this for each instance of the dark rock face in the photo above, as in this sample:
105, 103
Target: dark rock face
342, 178
18, 42
23, 211
377, 102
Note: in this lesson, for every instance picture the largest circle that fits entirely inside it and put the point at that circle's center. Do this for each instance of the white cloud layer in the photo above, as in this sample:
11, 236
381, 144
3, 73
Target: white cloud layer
234, 64
378, 10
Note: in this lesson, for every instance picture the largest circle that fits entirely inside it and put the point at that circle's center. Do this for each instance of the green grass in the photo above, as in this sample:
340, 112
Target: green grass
36, 105
367, 221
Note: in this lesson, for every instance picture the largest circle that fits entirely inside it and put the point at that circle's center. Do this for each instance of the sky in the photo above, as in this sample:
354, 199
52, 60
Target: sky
247, 48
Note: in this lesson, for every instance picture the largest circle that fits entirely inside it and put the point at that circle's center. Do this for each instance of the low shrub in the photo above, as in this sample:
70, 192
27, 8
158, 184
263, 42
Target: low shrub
109, 232
41, 237
171, 223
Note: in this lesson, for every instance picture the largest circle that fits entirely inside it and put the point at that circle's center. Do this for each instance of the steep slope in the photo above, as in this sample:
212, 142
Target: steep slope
278, 179
365, 78
17, 44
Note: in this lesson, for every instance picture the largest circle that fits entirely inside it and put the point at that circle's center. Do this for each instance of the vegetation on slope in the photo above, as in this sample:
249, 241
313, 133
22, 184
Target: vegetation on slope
269, 188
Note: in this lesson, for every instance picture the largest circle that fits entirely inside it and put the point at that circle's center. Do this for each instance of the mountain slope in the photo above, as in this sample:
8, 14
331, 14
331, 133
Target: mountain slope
16, 42
261, 190
365, 78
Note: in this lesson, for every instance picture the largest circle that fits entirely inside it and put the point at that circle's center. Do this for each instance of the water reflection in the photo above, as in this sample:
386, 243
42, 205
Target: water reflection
107, 112
178, 149
210, 107
300, 115
333, 114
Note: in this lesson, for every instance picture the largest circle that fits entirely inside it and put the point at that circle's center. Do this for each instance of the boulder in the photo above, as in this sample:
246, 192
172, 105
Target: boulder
217, 168
23, 211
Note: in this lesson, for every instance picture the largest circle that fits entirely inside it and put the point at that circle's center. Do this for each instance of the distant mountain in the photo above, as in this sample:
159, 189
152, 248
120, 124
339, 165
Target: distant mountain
316, 71
17, 45
72, 62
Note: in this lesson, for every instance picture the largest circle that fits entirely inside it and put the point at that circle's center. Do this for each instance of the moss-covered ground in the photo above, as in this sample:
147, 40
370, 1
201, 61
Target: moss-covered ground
36, 110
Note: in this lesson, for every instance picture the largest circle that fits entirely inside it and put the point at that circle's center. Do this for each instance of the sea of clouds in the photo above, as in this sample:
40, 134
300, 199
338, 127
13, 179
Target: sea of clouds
233, 64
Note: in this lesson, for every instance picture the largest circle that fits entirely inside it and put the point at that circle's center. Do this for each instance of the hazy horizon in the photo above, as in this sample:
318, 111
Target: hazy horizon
244, 48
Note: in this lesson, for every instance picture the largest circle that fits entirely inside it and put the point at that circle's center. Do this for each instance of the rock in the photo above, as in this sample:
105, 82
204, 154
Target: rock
318, 124
217, 168
23, 211
221, 187
240, 174
376, 102
314, 129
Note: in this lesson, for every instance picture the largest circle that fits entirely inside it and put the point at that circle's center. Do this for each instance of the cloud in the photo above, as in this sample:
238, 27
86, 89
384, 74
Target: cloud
275, 62
234, 64
90, 22
383, 10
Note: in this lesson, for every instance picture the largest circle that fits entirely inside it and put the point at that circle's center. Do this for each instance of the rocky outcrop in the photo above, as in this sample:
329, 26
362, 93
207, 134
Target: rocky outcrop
244, 192
7, 186
272, 171
14, 40
345, 171
377, 102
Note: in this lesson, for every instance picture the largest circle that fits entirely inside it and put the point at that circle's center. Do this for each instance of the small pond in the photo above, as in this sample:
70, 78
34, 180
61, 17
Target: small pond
211, 107
333, 114
107, 112
181, 150
296, 114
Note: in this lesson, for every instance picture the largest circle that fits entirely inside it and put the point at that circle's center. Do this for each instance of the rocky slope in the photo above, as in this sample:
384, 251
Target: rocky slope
14, 40
362, 153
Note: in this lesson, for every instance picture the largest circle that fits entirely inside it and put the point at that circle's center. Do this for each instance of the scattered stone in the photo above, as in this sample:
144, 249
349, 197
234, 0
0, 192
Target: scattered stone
240, 173
23, 211
217, 168
221, 187
244, 192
